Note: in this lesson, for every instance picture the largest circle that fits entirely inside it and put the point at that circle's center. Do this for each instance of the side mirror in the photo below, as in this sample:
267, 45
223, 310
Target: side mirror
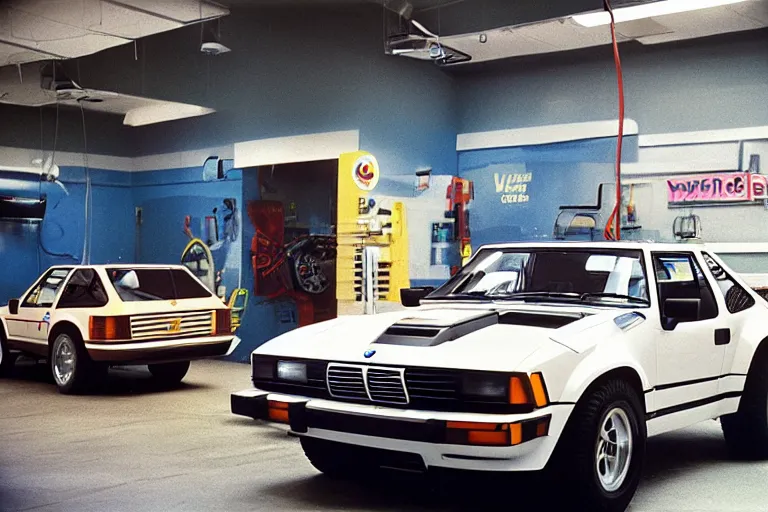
681, 310
13, 306
411, 297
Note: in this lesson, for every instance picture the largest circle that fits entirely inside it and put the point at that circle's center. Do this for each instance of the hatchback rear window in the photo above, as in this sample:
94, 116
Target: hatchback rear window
146, 284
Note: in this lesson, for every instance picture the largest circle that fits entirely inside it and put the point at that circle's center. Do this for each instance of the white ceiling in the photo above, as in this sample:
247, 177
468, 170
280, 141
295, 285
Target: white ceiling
565, 34
22, 86
33, 30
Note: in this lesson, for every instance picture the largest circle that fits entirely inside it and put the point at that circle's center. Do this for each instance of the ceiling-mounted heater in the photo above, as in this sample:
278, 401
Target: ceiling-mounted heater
20, 197
687, 227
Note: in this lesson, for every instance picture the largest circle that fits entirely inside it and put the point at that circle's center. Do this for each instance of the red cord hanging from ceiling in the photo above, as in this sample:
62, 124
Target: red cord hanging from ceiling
613, 227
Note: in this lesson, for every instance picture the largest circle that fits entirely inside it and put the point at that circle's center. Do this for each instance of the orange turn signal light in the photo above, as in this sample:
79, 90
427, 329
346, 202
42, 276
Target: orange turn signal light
518, 395
482, 437
468, 425
525, 390
108, 328
516, 433
496, 434
540, 397
278, 411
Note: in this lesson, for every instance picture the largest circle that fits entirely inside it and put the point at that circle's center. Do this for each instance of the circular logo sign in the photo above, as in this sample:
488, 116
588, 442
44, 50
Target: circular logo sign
365, 172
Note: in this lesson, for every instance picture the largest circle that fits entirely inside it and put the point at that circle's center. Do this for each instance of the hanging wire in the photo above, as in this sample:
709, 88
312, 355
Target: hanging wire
86, 239
613, 227
40, 243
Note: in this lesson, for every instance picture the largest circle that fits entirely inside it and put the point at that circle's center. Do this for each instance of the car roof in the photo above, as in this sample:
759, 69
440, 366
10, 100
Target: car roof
119, 266
625, 245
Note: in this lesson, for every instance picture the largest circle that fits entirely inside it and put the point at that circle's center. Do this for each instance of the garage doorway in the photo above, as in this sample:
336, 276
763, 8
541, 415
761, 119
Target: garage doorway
293, 249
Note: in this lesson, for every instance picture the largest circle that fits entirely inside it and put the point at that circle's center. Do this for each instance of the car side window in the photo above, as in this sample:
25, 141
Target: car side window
737, 299
678, 276
44, 294
84, 290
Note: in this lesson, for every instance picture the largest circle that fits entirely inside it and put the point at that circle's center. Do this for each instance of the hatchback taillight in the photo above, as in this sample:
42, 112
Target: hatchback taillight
223, 324
106, 328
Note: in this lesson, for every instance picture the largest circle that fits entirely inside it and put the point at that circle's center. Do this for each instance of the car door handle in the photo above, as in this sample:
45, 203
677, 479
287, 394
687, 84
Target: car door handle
722, 336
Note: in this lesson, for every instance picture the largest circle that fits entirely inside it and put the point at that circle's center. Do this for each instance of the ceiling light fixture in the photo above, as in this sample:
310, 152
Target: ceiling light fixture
648, 10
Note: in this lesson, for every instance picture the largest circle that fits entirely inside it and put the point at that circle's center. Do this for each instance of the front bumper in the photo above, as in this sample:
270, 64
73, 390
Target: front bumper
422, 433
161, 351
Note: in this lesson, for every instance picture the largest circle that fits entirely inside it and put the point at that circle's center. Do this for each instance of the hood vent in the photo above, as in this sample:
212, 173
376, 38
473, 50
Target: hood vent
427, 332
544, 320
411, 331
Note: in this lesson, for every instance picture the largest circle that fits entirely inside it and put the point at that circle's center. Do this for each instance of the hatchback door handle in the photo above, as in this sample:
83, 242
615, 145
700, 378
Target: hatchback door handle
722, 336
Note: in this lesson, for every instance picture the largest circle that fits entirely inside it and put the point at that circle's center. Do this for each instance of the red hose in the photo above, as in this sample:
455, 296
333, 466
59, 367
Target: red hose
610, 233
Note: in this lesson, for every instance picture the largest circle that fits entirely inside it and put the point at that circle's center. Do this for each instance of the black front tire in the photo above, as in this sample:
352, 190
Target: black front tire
70, 364
332, 459
746, 431
169, 374
7, 358
575, 462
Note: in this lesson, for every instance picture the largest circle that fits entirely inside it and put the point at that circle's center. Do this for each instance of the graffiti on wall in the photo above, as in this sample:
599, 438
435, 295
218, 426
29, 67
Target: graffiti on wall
211, 251
731, 187
301, 268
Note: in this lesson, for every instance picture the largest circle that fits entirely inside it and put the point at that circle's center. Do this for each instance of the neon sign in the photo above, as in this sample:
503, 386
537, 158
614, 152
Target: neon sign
729, 187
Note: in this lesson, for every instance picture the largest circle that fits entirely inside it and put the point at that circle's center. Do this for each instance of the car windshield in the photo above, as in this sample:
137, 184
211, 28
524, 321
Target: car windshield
551, 274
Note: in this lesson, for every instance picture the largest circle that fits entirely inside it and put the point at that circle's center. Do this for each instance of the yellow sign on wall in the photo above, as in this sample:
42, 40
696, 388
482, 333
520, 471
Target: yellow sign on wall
357, 226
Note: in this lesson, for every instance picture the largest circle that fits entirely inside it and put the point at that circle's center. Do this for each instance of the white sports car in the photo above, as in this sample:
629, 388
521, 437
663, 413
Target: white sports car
562, 357
85, 318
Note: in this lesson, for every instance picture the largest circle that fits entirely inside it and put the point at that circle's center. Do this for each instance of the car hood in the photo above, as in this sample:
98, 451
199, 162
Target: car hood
487, 338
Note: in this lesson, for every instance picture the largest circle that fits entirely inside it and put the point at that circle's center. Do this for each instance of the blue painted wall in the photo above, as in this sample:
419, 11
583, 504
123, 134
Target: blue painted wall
557, 175
28, 249
166, 197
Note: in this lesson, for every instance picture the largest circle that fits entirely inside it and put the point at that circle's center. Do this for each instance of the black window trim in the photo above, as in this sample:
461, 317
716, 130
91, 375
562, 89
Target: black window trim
694, 260
730, 277
42, 279
69, 278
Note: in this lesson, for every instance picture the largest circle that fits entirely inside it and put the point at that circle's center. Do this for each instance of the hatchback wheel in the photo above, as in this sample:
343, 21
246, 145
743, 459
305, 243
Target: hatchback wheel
70, 365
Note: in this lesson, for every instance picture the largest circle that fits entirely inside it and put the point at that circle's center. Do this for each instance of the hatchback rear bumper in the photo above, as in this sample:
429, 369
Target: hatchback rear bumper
161, 351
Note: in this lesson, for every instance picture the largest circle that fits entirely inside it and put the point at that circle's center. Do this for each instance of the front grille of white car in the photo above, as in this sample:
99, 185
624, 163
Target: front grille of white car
172, 325
385, 385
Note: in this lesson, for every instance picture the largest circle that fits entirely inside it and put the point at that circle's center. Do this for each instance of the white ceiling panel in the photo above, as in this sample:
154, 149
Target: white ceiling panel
127, 23
15, 55
53, 37
703, 23
81, 46
755, 10
185, 11
75, 28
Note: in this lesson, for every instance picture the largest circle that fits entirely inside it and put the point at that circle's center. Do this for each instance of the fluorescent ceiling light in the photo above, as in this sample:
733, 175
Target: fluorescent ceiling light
162, 112
649, 10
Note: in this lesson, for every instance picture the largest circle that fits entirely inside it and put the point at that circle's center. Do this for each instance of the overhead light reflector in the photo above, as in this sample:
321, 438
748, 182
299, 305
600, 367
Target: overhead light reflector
162, 112
649, 10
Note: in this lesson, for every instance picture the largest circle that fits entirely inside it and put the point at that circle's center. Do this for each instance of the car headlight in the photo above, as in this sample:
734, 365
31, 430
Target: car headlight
515, 389
263, 369
291, 371
488, 386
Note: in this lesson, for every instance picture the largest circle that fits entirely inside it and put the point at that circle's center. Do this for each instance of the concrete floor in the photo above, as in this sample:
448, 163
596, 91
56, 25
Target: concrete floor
136, 448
